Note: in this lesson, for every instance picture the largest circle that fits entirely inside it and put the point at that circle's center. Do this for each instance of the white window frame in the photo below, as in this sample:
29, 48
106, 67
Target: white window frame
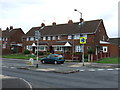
78, 48
54, 37
77, 36
58, 48
49, 38
44, 38
105, 49
32, 38
6, 39
59, 37
3, 45
3, 38
29, 47
44, 48
69, 36
27, 39
0, 38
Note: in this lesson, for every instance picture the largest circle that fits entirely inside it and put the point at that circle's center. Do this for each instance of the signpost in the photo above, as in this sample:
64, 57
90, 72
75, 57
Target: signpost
83, 41
37, 37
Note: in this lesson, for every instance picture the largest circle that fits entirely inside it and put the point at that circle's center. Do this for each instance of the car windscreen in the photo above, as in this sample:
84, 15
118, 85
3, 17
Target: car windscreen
58, 56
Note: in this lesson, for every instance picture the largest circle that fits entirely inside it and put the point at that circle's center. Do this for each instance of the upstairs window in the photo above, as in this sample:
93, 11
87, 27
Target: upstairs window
32, 39
0, 38
59, 37
6, 39
48, 38
53, 38
44, 38
69, 36
77, 36
27, 39
3, 39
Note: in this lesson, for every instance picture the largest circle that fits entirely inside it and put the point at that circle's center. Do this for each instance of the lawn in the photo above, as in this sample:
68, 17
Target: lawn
18, 56
109, 60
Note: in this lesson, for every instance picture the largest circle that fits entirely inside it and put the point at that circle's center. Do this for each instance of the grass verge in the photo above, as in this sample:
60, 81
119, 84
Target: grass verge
114, 60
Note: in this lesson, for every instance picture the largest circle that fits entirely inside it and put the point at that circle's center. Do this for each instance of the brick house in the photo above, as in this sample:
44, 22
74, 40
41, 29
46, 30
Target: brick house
65, 38
114, 47
11, 40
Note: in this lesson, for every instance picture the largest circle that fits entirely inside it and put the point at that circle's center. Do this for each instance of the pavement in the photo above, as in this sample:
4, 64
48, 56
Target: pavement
68, 67
10, 82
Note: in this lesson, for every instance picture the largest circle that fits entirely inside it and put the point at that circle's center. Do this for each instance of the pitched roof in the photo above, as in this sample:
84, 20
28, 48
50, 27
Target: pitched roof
72, 28
115, 40
9, 33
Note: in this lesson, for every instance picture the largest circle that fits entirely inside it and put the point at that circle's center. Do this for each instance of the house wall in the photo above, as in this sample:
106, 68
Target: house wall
16, 37
114, 50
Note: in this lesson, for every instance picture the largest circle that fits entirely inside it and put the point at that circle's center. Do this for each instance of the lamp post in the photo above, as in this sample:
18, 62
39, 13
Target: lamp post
37, 36
79, 12
81, 27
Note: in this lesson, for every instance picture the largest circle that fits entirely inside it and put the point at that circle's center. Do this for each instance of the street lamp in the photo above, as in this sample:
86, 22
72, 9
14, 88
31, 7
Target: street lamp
79, 12
81, 27
37, 37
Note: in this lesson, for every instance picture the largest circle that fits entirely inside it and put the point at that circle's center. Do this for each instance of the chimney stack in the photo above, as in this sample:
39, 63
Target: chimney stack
54, 23
11, 27
42, 24
7, 28
70, 21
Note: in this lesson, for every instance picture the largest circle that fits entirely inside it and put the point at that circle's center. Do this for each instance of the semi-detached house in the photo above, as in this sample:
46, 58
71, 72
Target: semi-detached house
65, 38
11, 40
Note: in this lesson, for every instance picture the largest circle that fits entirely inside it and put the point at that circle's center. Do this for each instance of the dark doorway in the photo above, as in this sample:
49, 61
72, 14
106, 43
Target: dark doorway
51, 49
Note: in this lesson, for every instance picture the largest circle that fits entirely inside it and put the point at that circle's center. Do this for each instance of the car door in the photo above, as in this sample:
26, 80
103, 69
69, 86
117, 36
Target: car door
52, 58
48, 58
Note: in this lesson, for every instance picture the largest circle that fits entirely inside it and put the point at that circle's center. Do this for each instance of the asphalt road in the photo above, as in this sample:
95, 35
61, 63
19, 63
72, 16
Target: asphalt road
86, 79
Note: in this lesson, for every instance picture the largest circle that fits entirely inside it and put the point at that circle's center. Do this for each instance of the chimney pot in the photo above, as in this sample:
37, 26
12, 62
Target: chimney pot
42, 24
11, 27
70, 21
54, 23
7, 28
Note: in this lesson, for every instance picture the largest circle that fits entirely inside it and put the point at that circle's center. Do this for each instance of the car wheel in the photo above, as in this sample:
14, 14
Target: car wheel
62, 62
55, 62
43, 61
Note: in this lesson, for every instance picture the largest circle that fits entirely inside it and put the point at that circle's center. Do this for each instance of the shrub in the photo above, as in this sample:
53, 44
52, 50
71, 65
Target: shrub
40, 53
91, 51
26, 52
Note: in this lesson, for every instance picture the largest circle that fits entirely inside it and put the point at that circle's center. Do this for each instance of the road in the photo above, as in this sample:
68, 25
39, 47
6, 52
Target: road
83, 79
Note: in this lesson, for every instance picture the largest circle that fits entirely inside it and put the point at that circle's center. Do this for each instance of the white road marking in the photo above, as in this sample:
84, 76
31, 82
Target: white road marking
110, 69
4, 66
100, 69
82, 70
117, 68
12, 67
27, 83
91, 70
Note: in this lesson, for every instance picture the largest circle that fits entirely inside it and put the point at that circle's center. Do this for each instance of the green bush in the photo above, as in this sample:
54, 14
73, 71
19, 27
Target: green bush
40, 53
91, 51
26, 52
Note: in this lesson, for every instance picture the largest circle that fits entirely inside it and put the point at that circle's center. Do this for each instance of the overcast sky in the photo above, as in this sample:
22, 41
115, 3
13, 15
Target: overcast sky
26, 14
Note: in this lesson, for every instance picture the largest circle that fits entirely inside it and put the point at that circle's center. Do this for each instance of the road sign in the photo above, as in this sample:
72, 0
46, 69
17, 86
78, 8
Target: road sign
37, 35
82, 40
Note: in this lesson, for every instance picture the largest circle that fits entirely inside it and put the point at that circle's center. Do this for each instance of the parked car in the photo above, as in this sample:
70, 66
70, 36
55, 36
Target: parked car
53, 58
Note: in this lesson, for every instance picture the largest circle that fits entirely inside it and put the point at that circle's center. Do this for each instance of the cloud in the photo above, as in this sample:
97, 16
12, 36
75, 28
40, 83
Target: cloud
30, 13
